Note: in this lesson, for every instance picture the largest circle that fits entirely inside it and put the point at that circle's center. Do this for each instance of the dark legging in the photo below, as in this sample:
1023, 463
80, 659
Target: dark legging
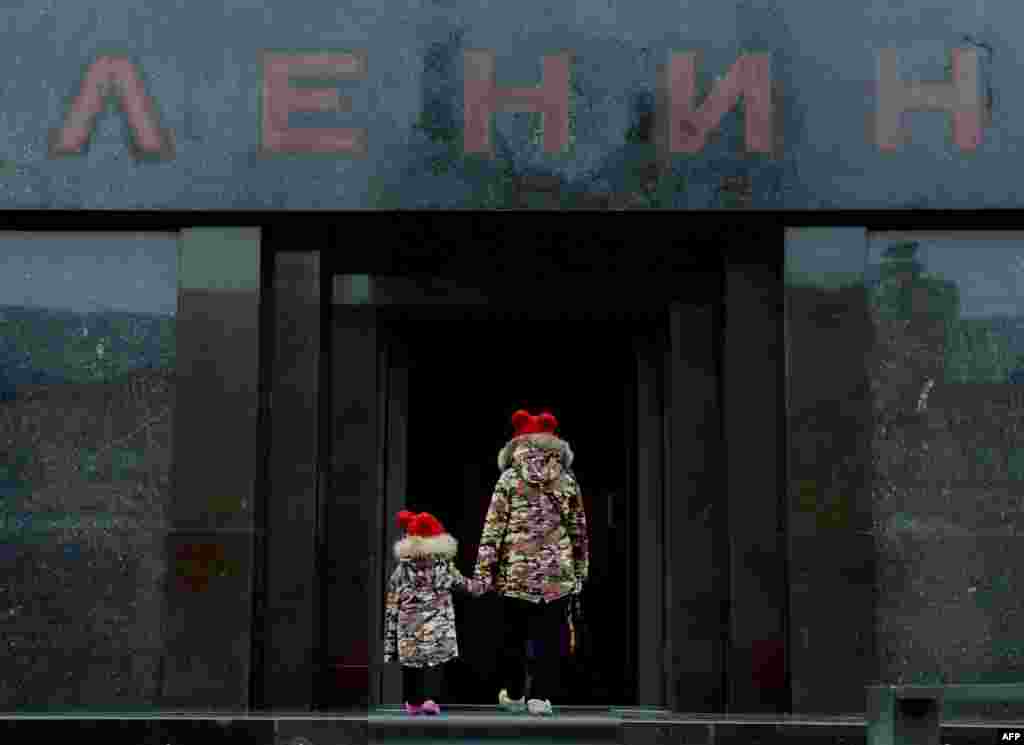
421, 684
541, 624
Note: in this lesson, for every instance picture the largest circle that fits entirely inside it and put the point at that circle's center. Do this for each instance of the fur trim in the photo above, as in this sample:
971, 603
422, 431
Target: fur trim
540, 440
415, 547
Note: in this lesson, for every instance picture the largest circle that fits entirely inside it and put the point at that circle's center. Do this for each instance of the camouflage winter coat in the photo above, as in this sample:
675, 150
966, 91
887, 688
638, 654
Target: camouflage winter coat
534, 543
419, 618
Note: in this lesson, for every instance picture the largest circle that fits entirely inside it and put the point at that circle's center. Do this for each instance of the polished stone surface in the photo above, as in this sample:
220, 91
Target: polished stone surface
479, 724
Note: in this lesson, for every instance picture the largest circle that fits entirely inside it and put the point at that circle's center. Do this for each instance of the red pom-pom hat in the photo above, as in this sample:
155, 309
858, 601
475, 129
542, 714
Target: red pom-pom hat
539, 431
526, 424
425, 537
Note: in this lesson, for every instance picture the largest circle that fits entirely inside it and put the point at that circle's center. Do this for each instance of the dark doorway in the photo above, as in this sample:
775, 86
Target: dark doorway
465, 381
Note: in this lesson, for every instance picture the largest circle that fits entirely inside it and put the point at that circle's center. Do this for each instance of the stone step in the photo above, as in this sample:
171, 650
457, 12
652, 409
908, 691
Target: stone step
476, 724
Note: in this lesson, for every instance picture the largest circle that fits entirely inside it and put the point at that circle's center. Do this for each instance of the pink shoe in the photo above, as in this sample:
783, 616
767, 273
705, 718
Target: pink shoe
429, 707
412, 710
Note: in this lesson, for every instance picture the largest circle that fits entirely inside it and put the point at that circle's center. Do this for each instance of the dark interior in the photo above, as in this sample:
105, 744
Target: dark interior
466, 379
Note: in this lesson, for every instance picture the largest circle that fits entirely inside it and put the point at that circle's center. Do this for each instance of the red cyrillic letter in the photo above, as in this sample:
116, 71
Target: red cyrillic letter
483, 98
280, 99
750, 76
960, 97
112, 76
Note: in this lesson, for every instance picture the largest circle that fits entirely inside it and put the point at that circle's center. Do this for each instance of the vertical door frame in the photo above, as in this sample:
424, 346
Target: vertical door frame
754, 416
649, 497
393, 397
285, 677
695, 536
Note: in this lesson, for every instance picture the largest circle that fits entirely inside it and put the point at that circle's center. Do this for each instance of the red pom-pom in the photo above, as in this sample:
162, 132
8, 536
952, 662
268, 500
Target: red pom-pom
548, 423
405, 519
425, 525
520, 419
417, 526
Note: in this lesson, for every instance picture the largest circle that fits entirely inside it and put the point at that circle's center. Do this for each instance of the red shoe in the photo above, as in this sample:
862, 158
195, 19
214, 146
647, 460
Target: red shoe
429, 707
413, 710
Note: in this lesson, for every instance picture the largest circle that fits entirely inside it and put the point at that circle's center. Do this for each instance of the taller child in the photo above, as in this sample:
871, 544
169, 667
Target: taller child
534, 553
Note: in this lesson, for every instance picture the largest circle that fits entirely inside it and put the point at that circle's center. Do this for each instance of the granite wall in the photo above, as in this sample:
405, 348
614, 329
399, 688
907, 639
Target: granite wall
906, 564
82, 597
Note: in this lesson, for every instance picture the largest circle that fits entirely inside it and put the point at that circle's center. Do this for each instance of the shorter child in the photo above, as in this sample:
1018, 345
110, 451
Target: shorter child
420, 617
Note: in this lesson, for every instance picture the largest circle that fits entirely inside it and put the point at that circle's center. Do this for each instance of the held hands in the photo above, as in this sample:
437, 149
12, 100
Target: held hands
478, 588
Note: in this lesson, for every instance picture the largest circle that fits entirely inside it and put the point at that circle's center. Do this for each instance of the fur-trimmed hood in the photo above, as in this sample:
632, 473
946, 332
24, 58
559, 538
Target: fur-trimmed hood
435, 547
536, 443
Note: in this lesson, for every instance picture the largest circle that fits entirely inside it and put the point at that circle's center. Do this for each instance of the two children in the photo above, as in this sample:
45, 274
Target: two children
534, 553
419, 615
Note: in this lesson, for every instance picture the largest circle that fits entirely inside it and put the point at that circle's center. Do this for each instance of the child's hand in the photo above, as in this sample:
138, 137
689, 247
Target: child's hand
477, 588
